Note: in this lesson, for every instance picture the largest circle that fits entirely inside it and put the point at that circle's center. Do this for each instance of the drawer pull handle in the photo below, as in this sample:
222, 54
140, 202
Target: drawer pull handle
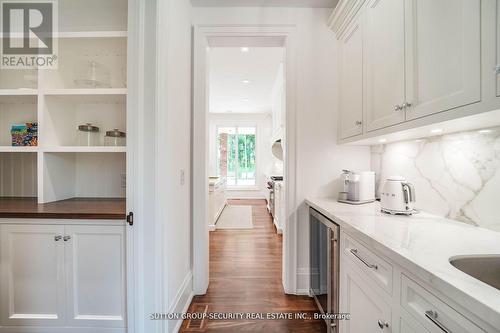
57, 238
355, 253
383, 324
433, 316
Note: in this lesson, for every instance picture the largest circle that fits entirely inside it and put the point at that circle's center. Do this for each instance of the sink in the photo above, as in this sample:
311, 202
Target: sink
483, 268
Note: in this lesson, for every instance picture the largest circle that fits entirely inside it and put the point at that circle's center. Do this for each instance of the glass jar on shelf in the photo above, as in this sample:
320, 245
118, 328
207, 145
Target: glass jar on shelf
115, 138
88, 135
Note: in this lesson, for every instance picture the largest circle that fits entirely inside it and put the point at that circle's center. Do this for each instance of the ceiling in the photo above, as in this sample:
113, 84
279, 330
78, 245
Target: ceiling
265, 3
229, 67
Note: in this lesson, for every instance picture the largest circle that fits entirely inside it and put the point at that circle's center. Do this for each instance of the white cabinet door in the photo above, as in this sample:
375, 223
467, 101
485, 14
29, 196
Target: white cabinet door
409, 325
351, 81
31, 275
384, 59
369, 312
95, 274
443, 55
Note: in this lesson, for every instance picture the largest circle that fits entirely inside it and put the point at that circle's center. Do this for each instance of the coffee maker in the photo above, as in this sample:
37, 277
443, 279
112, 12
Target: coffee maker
358, 187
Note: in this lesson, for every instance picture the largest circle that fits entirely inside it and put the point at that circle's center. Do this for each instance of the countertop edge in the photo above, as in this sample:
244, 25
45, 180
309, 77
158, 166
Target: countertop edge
64, 216
482, 311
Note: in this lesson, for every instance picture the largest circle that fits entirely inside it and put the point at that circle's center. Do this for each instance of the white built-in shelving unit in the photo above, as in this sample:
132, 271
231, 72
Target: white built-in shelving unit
58, 169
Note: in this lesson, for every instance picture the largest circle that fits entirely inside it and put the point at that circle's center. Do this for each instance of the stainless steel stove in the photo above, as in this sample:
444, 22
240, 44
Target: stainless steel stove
270, 187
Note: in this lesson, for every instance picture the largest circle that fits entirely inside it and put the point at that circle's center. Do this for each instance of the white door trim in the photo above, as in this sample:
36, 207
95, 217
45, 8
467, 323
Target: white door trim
202, 34
144, 251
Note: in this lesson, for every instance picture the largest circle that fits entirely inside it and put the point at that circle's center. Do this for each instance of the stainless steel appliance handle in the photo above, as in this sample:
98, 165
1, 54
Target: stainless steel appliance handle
367, 264
329, 223
433, 316
409, 192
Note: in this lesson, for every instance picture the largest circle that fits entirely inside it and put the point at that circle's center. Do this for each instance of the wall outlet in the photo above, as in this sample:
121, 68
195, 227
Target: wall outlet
123, 180
182, 177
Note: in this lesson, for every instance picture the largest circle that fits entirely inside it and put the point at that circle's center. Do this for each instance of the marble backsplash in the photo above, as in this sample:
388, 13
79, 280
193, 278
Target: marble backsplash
455, 175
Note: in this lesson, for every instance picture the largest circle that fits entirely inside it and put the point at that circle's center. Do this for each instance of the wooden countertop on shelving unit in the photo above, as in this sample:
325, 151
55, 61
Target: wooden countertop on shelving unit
76, 208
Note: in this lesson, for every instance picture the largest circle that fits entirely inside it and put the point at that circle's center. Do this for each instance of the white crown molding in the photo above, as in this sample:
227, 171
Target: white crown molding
265, 3
343, 14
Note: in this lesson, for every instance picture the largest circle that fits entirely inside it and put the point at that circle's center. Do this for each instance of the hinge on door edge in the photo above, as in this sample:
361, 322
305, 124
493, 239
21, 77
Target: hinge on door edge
130, 218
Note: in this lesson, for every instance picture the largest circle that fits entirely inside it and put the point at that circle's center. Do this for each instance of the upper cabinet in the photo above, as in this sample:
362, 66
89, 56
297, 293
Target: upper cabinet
351, 74
411, 63
385, 63
443, 55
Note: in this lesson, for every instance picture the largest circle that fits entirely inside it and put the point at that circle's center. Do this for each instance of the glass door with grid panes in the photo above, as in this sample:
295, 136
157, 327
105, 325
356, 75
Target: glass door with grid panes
236, 155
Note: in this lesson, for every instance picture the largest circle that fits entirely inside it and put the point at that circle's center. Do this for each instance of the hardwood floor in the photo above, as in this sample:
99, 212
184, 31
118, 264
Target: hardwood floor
245, 277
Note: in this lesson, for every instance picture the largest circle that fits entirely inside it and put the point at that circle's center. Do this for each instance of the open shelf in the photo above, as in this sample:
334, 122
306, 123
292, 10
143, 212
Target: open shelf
63, 114
11, 149
18, 92
87, 175
18, 174
81, 59
15, 110
84, 149
92, 15
89, 86
76, 91
93, 34
13, 80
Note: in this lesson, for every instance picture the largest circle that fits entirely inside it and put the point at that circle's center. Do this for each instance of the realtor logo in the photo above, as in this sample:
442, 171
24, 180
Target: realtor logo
28, 34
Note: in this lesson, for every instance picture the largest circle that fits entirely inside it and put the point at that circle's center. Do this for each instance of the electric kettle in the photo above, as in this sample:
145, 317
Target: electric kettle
397, 196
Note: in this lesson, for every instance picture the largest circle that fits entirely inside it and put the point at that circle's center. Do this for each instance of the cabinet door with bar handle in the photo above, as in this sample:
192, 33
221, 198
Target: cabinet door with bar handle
368, 310
32, 275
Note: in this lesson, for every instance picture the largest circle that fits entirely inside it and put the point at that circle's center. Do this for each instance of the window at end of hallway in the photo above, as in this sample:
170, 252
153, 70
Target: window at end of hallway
236, 155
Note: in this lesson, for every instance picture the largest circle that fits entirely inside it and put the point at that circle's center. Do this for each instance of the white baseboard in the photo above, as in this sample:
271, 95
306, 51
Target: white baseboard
182, 301
211, 227
302, 292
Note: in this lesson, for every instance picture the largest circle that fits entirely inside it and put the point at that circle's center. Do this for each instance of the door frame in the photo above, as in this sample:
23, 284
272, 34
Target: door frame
200, 141
145, 273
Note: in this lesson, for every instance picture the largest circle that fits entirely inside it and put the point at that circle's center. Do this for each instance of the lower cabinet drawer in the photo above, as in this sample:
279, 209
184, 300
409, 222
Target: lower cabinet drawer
431, 312
376, 268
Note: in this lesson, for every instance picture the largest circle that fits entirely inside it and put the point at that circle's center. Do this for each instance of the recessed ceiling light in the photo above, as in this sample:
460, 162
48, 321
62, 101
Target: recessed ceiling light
436, 130
382, 140
485, 131
245, 49
245, 81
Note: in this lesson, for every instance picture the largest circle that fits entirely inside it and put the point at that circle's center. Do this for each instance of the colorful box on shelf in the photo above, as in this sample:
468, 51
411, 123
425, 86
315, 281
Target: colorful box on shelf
24, 134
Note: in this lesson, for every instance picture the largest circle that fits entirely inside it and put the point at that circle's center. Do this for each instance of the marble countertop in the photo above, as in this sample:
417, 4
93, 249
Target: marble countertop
423, 244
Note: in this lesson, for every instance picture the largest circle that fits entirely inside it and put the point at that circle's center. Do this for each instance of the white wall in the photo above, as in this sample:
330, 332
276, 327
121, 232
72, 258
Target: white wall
264, 157
278, 101
175, 147
319, 158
